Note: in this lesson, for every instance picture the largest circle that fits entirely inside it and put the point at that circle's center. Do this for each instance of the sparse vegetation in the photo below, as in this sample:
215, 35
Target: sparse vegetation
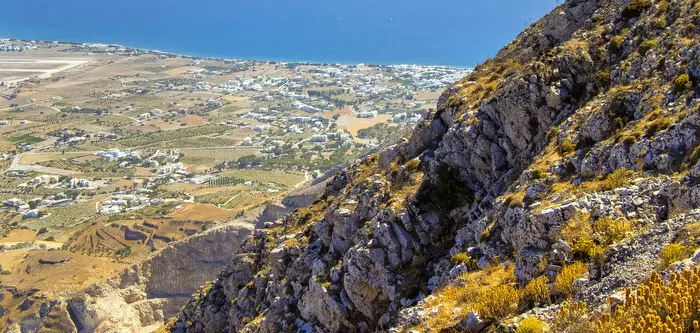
672, 253
657, 306
657, 125
646, 46
535, 292
565, 279
532, 325
634, 8
573, 317
463, 259
566, 147
682, 84
514, 200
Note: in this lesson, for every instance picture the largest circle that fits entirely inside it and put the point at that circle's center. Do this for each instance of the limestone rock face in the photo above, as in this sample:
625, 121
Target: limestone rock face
562, 125
140, 298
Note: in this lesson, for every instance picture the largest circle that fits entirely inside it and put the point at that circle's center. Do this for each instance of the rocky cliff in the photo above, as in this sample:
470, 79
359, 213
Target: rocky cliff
140, 298
550, 184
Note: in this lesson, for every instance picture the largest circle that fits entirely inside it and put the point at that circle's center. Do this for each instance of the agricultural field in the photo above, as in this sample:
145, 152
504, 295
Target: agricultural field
109, 154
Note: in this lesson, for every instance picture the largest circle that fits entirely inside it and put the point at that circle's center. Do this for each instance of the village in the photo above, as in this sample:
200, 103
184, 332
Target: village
109, 154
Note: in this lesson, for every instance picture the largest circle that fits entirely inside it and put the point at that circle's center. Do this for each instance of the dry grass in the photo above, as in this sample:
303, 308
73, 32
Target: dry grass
573, 317
489, 292
537, 291
578, 232
567, 276
514, 200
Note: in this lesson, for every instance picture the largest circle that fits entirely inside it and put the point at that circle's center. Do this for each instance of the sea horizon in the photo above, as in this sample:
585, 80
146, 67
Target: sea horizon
228, 58
384, 32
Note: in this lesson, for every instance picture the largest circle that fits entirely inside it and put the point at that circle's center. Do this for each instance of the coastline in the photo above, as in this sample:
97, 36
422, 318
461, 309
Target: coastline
260, 59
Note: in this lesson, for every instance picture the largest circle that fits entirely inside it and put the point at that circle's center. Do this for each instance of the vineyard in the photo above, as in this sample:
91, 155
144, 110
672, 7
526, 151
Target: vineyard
157, 138
215, 156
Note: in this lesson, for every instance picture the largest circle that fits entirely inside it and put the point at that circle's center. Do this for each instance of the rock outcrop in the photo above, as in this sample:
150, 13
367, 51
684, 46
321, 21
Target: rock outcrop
577, 145
140, 298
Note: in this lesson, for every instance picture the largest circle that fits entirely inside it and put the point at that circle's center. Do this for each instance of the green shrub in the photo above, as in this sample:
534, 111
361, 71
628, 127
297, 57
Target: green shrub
694, 156
463, 258
682, 84
634, 8
657, 125
124, 252
578, 232
646, 46
566, 147
616, 44
43, 230
499, 303
604, 79
629, 140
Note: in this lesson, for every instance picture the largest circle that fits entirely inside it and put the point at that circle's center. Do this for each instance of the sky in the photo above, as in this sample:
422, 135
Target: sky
445, 32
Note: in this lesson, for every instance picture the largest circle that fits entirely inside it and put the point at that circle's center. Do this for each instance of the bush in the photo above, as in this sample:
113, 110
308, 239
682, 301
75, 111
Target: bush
634, 8
646, 46
499, 303
565, 279
609, 230
124, 252
672, 253
615, 45
463, 258
657, 306
660, 23
412, 165
682, 84
572, 317
43, 230
617, 178
604, 79
694, 156
579, 233
657, 125
531, 325
629, 140
566, 147
514, 200
535, 292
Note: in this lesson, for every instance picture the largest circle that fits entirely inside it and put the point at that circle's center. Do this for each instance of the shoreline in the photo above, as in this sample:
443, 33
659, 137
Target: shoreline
226, 59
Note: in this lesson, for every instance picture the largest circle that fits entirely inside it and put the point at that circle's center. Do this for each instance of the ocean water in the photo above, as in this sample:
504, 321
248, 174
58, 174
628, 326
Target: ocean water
439, 32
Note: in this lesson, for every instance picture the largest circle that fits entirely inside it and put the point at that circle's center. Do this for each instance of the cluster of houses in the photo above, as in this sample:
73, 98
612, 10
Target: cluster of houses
125, 202
53, 181
8, 45
31, 207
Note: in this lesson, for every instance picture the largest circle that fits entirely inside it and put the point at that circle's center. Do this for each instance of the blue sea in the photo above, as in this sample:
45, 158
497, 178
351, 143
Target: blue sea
459, 33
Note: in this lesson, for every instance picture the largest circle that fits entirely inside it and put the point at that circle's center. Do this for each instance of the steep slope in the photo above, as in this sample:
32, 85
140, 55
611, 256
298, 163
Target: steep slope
566, 167
141, 297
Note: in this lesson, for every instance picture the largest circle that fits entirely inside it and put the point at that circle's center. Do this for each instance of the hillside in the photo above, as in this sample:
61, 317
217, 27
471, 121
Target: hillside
554, 188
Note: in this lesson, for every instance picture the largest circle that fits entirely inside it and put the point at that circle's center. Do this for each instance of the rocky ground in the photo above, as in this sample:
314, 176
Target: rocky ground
570, 158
